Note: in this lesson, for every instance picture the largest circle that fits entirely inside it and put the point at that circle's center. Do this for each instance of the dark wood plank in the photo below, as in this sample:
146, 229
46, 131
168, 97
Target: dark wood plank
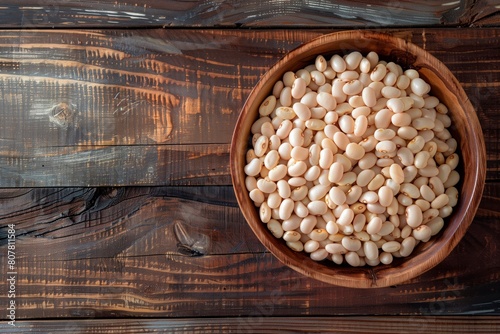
187, 252
104, 108
267, 324
111, 108
116, 165
256, 13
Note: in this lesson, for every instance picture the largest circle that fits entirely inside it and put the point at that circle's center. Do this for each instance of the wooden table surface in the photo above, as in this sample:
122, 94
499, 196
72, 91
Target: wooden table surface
115, 126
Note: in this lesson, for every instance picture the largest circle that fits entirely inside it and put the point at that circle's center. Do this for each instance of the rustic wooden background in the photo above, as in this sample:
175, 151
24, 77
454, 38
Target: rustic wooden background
115, 126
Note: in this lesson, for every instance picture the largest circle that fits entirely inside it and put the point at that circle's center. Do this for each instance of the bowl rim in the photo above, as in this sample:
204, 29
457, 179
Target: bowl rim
367, 277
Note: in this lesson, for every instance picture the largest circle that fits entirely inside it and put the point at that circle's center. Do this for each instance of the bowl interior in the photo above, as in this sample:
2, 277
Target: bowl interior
466, 130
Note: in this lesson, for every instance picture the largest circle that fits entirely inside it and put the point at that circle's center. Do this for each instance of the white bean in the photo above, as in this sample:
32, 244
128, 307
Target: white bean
298, 88
284, 129
318, 234
286, 208
407, 246
284, 189
410, 190
452, 193
378, 72
338, 91
390, 79
436, 185
452, 160
390, 92
440, 201
319, 255
296, 246
368, 161
311, 246
266, 185
274, 200
407, 132
404, 200
422, 232
291, 236
296, 137
253, 167
354, 151
385, 196
423, 123
401, 119
364, 177
353, 87
275, 227
341, 140
304, 74
414, 216
317, 207
418, 86
384, 134
352, 258
405, 156
353, 60
360, 125
374, 225
386, 229
369, 96
386, 258
345, 217
267, 106
317, 192
318, 78
436, 224
308, 223
346, 124
299, 193
348, 75
445, 211
326, 101
277, 88
286, 97
383, 118
320, 63
386, 146
337, 63
337, 195
296, 168
256, 195
302, 111
351, 243
391, 246
325, 158
369, 143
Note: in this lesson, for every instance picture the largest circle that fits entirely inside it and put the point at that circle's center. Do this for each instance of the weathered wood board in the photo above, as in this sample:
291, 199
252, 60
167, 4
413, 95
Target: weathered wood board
158, 107
255, 13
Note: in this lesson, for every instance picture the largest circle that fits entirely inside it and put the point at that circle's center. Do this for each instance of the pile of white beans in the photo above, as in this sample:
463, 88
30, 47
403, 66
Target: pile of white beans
352, 160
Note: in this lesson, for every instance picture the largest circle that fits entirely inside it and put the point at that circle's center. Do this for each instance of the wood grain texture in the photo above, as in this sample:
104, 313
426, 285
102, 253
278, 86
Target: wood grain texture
187, 252
184, 249
255, 13
267, 325
79, 108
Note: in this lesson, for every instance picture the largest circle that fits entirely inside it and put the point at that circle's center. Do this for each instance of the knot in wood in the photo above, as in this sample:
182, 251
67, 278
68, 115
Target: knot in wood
62, 114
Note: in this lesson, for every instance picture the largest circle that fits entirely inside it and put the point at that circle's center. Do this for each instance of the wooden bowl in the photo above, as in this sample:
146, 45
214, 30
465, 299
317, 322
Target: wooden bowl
466, 130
